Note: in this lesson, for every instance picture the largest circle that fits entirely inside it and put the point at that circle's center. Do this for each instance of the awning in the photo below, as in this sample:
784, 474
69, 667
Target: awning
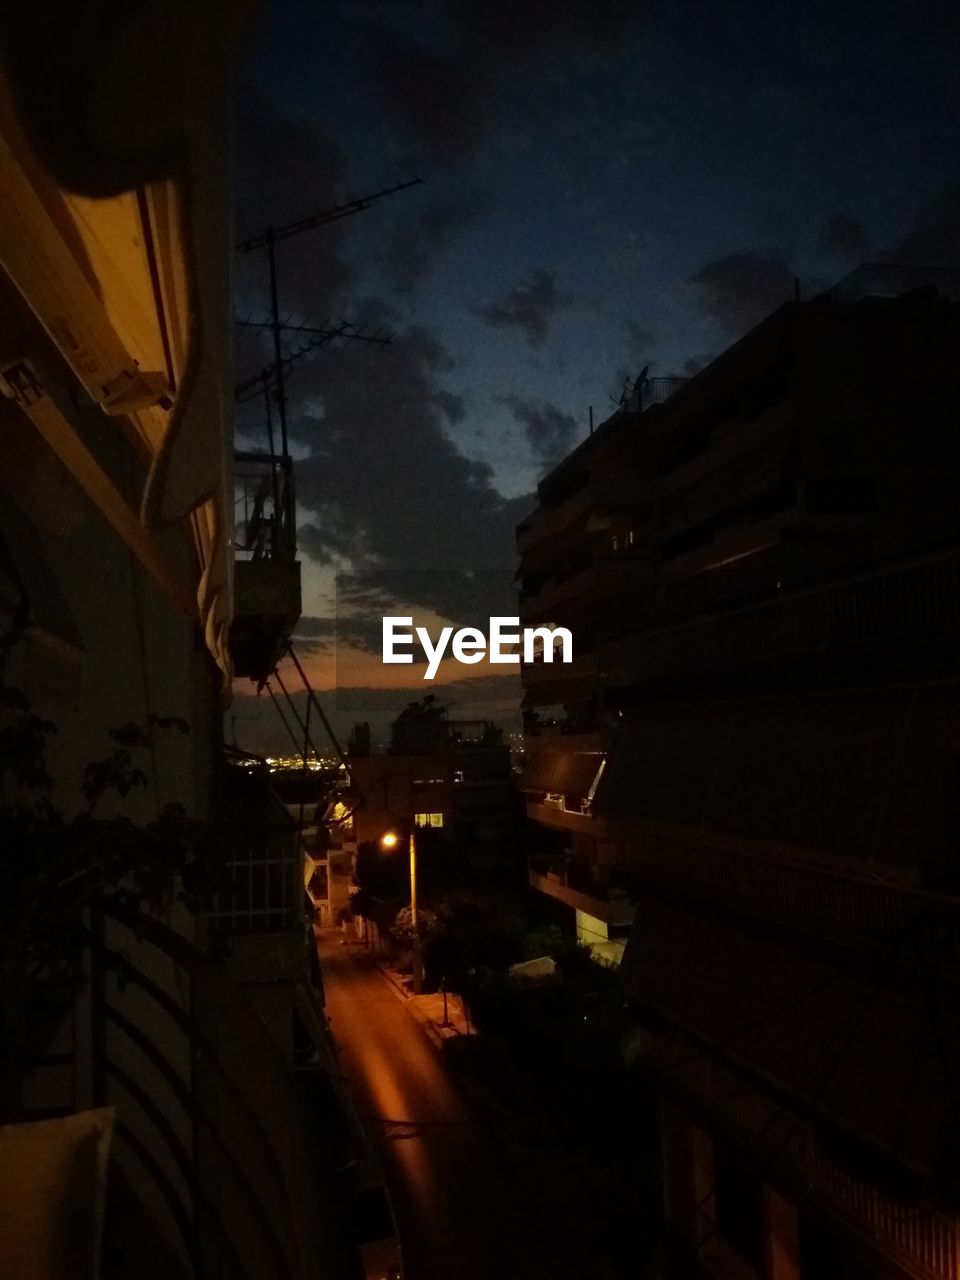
570, 773
115, 230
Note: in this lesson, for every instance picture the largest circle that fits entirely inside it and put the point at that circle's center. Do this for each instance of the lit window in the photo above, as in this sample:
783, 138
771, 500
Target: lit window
629, 537
458, 775
428, 819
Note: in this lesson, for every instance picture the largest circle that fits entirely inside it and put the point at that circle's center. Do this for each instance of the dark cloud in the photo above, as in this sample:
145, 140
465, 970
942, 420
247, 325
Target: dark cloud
933, 237
550, 433
322, 635
639, 338
444, 85
413, 245
740, 289
529, 307
385, 486
288, 168
846, 236
467, 598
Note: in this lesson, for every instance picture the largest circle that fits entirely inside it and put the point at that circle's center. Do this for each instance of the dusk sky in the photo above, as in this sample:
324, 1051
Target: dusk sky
605, 186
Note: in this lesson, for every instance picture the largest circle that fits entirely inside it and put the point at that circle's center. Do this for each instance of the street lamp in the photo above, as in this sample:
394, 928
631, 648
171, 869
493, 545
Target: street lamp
390, 840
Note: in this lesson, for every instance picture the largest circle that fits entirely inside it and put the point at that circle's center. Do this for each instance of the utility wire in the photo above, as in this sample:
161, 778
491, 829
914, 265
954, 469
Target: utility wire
286, 724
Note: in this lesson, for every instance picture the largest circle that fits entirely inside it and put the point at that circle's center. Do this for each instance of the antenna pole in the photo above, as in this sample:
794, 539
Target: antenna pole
277, 347
591, 419
274, 487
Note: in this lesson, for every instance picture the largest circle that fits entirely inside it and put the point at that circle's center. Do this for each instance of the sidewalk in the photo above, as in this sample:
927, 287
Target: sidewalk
428, 1009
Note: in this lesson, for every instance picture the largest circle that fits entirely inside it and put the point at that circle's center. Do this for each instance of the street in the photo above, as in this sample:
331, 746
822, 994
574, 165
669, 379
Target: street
469, 1201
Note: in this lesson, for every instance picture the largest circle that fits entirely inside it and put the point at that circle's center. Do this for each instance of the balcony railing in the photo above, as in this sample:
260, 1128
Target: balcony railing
548, 522
266, 571
209, 1138
919, 1237
892, 279
921, 596
653, 391
848, 909
265, 508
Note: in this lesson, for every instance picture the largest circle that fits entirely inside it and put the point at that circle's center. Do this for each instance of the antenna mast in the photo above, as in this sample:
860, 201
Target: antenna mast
268, 240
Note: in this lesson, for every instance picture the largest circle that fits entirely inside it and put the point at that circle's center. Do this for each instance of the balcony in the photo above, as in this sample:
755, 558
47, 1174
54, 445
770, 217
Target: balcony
920, 597
653, 391
851, 911
541, 604
212, 1168
537, 674
266, 571
892, 280
580, 888
602, 584
547, 523
918, 1237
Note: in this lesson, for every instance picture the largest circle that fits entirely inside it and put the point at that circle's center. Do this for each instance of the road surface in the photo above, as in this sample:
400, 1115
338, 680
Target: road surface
470, 1202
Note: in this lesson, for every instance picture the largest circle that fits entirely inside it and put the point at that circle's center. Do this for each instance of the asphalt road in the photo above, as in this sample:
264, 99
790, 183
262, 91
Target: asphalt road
470, 1201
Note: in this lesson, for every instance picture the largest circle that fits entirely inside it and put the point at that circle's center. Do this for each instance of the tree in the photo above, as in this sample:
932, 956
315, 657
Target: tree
54, 867
474, 932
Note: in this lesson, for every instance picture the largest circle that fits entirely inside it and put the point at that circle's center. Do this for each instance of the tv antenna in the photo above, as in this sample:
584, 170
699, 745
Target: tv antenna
267, 239
268, 377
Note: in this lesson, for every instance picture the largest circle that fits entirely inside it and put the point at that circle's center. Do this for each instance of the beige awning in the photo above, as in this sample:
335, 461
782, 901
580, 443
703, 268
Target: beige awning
570, 773
130, 275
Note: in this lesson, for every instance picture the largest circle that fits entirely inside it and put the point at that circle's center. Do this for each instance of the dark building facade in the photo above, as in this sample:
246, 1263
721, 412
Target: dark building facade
757, 747
449, 776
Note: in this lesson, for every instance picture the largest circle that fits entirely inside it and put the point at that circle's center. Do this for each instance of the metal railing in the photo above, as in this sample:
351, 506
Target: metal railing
920, 596
208, 1126
921, 1237
892, 279
848, 909
656, 391
265, 507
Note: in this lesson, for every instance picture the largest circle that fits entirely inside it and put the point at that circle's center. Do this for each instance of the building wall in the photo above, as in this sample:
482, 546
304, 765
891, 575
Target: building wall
774, 662
124, 651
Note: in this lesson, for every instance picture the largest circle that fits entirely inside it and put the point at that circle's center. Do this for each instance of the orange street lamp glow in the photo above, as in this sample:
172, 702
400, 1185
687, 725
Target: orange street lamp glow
390, 840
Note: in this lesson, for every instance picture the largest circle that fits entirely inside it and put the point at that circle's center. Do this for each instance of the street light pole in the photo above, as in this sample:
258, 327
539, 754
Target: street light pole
390, 840
414, 918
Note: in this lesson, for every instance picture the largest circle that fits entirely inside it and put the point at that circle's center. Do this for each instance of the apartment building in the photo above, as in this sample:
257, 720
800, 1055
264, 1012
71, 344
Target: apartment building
452, 778
756, 749
116, 606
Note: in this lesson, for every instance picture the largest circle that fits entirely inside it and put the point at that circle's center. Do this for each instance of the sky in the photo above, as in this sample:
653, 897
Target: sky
605, 185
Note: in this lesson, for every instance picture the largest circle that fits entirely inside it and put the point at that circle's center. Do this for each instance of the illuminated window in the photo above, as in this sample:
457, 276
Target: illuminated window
428, 819
458, 775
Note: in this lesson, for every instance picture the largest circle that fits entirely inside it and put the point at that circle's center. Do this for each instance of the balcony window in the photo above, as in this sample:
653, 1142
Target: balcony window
428, 819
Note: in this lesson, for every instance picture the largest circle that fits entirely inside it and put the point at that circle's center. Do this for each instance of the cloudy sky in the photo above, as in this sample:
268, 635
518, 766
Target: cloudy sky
606, 184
